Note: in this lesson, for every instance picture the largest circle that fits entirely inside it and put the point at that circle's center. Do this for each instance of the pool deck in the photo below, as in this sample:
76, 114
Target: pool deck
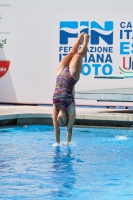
27, 115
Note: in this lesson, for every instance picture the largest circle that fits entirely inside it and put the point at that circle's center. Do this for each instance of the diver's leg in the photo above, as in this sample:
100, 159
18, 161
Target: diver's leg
76, 62
67, 59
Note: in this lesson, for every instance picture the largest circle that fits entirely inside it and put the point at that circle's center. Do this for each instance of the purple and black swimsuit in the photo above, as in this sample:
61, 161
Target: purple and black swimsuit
63, 90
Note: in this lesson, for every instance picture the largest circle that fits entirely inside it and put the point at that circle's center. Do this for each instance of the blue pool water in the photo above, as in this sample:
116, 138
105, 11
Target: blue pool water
98, 165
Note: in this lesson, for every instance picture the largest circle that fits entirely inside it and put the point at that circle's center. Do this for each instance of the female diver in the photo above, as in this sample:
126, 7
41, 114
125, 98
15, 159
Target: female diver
68, 74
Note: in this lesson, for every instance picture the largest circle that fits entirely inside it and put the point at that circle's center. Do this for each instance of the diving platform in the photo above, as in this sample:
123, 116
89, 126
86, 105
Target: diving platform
116, 76
111, 95
115, 95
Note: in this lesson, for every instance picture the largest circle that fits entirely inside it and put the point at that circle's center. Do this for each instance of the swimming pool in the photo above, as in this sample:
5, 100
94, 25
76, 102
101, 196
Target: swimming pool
96, 166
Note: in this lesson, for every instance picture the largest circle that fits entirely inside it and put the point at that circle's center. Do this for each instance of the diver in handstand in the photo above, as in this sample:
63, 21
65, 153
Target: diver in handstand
68, 74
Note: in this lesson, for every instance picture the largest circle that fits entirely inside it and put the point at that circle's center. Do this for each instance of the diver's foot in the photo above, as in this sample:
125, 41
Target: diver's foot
80, 37
86, 37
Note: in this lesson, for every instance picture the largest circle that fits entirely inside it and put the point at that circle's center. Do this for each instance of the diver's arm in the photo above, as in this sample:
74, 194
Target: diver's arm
73, 91
56, 126
71, 119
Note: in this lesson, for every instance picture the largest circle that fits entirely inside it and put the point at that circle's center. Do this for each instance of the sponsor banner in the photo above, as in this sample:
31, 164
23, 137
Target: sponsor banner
4, 66
32, 44
109, 51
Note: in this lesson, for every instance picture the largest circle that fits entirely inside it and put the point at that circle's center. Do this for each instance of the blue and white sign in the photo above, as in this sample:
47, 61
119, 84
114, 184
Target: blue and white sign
35, 36
99, 57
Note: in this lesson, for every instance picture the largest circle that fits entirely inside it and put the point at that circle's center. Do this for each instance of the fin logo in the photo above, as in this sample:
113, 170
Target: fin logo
105, 33
71, 29
68, 29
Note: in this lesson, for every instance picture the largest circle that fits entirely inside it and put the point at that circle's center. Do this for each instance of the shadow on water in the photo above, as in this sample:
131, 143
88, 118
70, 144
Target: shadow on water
4, 162
63, 175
